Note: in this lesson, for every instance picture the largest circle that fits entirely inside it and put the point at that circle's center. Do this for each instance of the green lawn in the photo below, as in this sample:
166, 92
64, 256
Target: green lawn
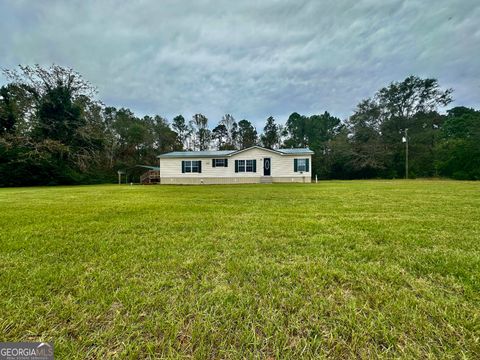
336, 269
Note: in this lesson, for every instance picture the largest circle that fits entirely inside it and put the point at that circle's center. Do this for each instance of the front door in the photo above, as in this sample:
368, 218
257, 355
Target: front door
267, 165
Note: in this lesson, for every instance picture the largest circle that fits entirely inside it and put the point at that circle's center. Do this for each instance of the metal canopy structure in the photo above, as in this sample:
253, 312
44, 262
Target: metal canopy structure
150, 176
155, 168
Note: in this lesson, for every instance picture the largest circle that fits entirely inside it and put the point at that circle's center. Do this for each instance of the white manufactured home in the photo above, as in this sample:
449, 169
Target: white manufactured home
252, 165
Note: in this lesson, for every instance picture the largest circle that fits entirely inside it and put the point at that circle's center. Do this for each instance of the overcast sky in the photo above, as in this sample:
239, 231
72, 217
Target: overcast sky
248, 58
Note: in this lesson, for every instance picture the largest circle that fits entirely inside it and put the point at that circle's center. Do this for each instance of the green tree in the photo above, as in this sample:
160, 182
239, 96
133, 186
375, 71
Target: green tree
319, 129
459, 145
57, 132
15, 102
411, 104
55, 92
132, 138
133, 141
231, 128
378, 125
369, 153
317, 132
165, 139
405, 99
181, 127
202, 133
338, 160
296, 128
247, 134
271, 134
220, 134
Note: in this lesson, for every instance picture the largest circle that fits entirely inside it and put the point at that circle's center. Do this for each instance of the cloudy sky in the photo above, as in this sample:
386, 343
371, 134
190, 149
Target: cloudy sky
248, 58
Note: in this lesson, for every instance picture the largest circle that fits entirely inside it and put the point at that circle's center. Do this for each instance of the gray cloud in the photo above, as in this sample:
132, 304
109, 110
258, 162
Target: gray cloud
251, 59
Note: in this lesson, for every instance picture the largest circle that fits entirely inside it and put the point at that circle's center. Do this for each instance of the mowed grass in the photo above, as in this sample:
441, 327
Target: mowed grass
354, 269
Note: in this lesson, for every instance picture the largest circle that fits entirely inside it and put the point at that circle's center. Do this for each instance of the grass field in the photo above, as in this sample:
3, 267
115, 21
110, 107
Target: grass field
336, 269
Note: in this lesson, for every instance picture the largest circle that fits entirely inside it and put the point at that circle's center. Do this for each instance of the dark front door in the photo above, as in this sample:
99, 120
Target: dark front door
267, 165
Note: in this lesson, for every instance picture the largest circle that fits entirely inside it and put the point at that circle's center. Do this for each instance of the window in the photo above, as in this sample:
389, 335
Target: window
241, 165
194, 166
301, 165
219, 162
245, 165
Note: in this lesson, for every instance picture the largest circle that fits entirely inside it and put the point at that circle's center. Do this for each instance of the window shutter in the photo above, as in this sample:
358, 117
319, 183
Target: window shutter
213, 162
306, 165
200, 167
295, 167
236, 166
255, 165
226, 162
183, 166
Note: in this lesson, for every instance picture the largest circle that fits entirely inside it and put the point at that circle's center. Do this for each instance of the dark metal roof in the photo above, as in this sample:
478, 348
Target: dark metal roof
157, 168
299, 151
194, 154
228, 153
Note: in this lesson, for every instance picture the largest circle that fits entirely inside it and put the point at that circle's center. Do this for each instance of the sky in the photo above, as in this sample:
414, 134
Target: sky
251, 59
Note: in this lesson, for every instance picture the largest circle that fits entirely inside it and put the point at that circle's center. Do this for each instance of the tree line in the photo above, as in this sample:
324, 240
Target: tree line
53, 130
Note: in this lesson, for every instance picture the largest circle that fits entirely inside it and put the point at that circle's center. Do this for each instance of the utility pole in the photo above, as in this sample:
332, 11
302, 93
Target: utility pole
405, 140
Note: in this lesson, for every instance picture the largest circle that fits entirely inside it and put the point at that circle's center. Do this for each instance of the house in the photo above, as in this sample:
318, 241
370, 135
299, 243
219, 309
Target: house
252, 165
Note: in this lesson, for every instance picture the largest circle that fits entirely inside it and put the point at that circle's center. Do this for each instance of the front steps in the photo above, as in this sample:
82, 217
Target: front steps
266, 180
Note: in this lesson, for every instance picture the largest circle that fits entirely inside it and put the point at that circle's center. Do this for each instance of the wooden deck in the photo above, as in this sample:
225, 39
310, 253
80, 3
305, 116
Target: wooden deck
150, 177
